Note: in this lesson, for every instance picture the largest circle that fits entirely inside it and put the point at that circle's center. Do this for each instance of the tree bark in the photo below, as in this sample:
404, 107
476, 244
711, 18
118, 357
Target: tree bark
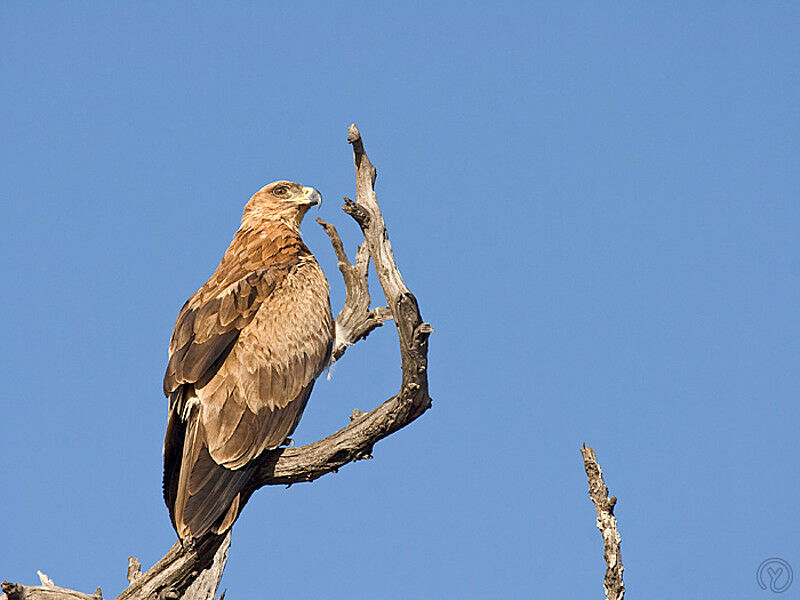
192, 572
607, 524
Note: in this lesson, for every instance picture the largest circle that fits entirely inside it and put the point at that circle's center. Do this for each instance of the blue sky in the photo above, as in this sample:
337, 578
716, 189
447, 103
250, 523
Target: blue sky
596, 206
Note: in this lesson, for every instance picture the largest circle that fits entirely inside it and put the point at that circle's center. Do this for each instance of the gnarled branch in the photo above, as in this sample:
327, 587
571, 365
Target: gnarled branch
193, 572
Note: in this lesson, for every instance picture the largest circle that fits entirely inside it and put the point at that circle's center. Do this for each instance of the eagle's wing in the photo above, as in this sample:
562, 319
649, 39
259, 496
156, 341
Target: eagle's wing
243, 358
210, 323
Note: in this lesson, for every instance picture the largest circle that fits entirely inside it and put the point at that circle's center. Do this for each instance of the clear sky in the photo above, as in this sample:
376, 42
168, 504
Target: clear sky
596, 205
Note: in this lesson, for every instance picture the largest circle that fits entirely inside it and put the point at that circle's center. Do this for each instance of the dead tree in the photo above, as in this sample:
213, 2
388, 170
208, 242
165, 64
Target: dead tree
193, 572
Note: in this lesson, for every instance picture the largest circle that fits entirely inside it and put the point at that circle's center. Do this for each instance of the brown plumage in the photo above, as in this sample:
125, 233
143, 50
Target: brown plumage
245, 352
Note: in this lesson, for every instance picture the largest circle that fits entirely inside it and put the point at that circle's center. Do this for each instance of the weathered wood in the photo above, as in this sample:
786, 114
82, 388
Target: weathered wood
193, 572
134, 569
17, 591
607, 524
355, 321
190, 573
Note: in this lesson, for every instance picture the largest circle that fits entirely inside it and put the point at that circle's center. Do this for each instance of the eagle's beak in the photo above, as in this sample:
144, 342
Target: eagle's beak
311, 197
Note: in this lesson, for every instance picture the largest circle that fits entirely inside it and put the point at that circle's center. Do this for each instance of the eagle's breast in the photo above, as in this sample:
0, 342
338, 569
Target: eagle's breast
292, 333
258, 394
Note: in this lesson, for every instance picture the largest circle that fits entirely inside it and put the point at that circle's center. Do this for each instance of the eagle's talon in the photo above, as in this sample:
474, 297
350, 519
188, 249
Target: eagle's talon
288, 442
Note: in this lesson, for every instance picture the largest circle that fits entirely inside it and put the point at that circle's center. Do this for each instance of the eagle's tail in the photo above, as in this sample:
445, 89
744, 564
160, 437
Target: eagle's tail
202, 496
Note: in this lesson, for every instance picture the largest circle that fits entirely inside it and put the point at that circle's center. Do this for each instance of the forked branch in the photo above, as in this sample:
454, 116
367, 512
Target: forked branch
193, 573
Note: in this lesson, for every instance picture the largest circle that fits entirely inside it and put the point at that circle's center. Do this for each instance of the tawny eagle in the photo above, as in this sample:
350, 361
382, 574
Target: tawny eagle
243, 357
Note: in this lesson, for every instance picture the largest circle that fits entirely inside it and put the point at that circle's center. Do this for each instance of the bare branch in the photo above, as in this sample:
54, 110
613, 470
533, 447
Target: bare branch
607, 524
355, 321
193, 572
17, 591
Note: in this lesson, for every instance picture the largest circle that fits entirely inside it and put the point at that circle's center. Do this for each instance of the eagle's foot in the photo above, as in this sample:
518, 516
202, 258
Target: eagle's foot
288, 442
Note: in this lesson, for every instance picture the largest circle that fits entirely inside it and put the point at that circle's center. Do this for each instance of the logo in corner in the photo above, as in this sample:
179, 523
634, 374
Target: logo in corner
775, 575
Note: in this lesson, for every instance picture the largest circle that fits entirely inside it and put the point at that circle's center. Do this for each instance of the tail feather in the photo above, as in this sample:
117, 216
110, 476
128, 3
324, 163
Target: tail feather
212, 502
202, 496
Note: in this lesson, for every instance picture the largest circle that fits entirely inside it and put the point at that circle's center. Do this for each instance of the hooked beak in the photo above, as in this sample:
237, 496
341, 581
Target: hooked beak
311, 197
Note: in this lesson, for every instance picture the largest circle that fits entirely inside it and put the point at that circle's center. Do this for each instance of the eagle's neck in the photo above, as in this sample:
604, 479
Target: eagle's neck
258, 218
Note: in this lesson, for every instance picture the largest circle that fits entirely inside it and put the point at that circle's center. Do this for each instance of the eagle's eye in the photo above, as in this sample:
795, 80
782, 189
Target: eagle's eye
281, 191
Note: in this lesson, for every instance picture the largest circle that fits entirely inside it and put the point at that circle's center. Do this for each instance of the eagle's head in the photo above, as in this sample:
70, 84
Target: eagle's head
284, 201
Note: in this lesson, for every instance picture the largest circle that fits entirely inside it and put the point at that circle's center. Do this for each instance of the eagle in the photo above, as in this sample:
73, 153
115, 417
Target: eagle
244, 355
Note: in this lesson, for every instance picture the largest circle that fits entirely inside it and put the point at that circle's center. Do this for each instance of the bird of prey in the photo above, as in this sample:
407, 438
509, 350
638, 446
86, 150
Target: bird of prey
243, 357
